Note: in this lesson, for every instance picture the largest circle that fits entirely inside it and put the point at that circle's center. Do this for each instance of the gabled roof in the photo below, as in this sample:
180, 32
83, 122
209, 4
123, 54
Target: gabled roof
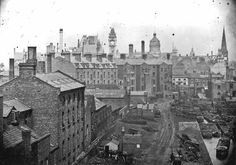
19, 106
60, 80
99, 104
7, 110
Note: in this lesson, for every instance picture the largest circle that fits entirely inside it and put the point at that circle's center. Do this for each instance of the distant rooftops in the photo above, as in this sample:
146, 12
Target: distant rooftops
139, 61
106, 93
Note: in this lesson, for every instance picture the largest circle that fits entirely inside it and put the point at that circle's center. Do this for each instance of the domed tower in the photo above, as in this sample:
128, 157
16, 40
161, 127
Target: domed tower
155, 45
112, 42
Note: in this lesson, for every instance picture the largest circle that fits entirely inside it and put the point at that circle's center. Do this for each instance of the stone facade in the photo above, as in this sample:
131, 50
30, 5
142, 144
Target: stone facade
151, 75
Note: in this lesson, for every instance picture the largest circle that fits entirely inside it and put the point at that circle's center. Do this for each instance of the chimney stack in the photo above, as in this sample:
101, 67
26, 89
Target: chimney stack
32, 55
144, 56
11, 69
50, 56
66, 56
41, 68
77, 56
110, 57
99, 57
104, 55
142, 47
60, 40
26, 137
28, 69
1, 123
212, 53
168, 56
123, 56
88, 57
131, 49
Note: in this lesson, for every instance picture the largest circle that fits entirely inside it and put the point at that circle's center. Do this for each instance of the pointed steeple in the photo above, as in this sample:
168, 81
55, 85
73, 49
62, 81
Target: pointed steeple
223, 43
192, 53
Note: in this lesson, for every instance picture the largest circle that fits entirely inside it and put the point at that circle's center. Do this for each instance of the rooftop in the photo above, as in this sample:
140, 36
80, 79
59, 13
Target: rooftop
140, 61
60, 80
102, 86
13, 104
13, 136
99, 104
19, 106
106, 93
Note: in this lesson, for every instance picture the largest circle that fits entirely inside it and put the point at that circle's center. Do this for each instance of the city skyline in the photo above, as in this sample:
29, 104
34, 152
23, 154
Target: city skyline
201, 28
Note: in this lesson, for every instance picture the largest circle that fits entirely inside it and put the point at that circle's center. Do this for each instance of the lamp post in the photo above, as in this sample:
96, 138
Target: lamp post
122, 134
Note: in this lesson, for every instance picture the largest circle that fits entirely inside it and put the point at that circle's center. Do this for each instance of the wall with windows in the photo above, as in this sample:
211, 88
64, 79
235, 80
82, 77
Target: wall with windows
72, 125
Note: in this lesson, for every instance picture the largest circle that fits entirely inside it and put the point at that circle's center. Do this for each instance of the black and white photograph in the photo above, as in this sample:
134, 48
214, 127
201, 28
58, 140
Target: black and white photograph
117, 82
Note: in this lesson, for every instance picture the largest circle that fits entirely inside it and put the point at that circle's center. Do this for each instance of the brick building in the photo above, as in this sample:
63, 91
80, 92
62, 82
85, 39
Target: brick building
151, 75
89, 68
100, 116
57, 101
20, 144
15, 112
116, 98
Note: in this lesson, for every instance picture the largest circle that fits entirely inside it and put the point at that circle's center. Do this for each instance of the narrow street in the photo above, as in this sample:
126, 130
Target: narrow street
160, 150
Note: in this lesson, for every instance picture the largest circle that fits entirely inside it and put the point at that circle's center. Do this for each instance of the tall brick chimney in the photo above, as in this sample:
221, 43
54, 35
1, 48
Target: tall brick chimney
26, 137
142, 47
168, 56
29, 68
32, 55
50, 56
1, 123
11, 68
131, 49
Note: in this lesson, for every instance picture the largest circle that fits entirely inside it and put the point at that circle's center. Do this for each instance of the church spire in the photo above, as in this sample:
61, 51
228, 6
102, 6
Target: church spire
223, 43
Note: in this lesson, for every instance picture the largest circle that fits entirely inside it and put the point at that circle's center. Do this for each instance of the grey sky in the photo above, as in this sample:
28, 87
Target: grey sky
196, 23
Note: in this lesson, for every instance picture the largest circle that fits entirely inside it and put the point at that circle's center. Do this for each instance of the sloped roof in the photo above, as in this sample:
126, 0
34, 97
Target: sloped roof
102, 86
19, 106
99, 104
138, 93
6, 110
13, 136
60, 80
106, 93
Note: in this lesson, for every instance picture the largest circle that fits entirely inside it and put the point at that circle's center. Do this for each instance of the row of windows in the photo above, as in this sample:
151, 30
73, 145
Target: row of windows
70, 98
100, 82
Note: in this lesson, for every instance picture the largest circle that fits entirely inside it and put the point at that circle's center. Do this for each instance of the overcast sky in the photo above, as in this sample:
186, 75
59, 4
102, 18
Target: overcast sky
186, 23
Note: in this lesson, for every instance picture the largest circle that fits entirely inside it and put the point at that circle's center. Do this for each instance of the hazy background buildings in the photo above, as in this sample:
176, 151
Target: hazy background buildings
187, 23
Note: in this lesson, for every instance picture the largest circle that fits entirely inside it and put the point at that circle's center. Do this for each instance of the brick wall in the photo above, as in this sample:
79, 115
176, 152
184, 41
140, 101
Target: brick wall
71, 125
41, 97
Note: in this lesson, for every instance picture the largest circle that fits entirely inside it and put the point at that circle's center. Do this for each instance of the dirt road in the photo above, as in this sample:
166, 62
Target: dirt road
160, 149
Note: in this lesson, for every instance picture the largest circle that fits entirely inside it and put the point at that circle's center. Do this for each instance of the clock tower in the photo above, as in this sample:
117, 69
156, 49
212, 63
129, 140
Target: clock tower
112, 42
